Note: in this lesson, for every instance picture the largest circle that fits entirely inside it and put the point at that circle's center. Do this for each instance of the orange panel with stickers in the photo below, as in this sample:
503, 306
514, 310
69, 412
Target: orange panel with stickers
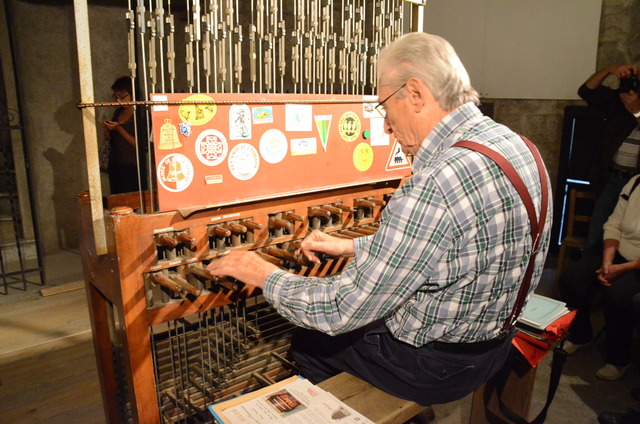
233, 148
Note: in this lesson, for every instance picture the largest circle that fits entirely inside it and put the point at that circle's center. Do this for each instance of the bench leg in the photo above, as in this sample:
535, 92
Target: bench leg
516, 395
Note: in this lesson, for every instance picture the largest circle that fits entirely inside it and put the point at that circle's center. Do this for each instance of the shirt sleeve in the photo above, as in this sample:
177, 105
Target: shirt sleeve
602, 98
613, 227
386, 271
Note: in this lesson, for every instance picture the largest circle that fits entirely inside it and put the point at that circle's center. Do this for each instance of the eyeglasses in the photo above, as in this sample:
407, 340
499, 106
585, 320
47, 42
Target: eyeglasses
380, 108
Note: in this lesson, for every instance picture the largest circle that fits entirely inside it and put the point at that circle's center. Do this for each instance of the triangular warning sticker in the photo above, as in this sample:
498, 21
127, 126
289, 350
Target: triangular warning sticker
397, 159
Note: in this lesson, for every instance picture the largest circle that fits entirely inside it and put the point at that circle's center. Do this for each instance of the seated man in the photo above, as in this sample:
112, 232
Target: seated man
422, 311
615, 270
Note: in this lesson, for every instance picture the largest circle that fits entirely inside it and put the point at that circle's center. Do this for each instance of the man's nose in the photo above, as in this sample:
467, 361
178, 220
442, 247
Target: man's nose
387, 127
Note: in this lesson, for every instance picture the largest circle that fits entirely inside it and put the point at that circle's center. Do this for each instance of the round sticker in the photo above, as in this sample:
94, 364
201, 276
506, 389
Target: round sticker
175, 172
211, 147
273, 146
363, 157
244, 161
197, 114
349, 126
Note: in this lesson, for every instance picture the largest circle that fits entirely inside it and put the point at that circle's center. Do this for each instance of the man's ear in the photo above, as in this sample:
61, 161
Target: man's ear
418, 94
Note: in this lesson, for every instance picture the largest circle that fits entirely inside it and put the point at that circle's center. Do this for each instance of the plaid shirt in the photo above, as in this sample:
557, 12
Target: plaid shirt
451, 251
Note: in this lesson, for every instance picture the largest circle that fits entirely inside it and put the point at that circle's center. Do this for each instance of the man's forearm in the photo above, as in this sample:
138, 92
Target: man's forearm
595, 80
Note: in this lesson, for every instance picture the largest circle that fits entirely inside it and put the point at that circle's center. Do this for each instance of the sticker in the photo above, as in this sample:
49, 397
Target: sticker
369, 109
175, 172
349, 126
323, 123
303, 146
263, 115
211, 147
298, 117
197, 114
363, 157
273, 146
213, 179
185, 128
168, 136
378, 136
160, 98
244, 161
239, 122
397, 158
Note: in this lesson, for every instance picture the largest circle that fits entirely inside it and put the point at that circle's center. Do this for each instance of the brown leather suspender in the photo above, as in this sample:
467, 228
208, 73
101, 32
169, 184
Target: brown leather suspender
537, 226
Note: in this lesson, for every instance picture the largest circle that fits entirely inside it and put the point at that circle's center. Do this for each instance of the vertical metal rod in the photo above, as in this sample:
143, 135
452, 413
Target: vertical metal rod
159, 12
215, 326
197, 35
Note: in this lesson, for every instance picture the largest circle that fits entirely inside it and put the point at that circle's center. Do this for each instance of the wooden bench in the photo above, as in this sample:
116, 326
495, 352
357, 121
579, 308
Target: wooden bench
383, 408
373, 403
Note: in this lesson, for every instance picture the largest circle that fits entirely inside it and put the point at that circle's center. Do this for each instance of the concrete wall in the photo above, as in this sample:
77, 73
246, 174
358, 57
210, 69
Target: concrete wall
46, 61
44, 35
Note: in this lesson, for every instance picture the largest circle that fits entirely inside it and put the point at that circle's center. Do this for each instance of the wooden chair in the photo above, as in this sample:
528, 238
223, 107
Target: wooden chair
578, 217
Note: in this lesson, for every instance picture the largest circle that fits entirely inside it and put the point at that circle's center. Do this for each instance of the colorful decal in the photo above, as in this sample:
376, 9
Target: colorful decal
168, 136
239, 122
363, 157
323, 123
211, 147
197, 114
303, 146
273, 146
349, 126
378, 136
175, 172
397, 158
160, 98
263, 115
369, 109
244, 161
185, 128
213, 179
298, 117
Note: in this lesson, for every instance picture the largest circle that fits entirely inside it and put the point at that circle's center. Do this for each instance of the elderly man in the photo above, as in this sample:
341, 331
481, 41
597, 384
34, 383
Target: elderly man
420, 311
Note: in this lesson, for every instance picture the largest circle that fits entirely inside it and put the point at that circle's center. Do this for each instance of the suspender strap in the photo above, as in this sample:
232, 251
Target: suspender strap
537, 226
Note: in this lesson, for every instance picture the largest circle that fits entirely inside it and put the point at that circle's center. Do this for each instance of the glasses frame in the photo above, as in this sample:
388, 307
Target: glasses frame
380, 108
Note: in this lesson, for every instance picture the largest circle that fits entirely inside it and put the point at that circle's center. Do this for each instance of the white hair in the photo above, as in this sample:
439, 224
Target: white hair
432, 60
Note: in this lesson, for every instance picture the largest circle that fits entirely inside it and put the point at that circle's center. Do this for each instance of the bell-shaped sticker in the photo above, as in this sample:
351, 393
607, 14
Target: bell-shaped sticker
175, 173
169, 136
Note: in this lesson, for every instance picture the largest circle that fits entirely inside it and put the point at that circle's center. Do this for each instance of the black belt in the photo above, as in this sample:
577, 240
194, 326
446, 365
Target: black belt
469, 348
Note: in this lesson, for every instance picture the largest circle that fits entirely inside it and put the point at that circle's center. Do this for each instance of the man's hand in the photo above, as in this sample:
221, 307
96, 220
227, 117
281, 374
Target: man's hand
110, 125
245, 266
318, 241
624, 71
631, 101
609, 273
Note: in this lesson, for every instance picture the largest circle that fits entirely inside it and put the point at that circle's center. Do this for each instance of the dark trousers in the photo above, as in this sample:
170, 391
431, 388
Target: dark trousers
423, 375
124, 179
578, 287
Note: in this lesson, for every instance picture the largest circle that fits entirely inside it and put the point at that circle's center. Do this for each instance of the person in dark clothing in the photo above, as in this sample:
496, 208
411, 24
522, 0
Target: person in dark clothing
120, 130
617, 159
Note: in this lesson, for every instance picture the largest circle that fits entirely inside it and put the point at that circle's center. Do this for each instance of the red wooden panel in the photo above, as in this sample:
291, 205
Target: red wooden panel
267, 145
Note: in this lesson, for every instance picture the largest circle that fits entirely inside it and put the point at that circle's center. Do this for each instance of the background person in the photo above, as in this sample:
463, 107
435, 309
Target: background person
615, 270
120, 130
617, 156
